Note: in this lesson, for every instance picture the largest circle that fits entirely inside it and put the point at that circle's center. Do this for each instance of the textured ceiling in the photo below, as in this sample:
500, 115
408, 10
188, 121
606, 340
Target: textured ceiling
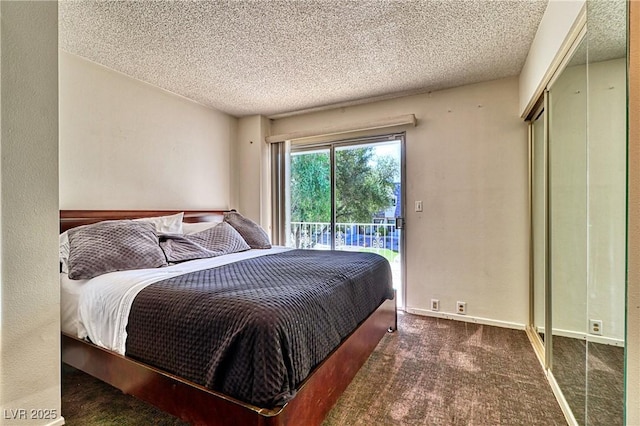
606, 36
606, 29
273, 57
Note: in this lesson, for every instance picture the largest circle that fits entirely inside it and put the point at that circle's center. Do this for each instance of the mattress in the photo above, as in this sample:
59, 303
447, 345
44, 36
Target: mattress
251, 325
103, 315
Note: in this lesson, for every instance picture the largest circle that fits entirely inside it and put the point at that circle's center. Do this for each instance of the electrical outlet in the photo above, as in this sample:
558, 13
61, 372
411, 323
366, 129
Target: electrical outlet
461, 308
435, 305
595, 327
418, 206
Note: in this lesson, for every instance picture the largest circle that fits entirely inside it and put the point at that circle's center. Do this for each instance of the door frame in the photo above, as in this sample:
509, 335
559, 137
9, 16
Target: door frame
538, 344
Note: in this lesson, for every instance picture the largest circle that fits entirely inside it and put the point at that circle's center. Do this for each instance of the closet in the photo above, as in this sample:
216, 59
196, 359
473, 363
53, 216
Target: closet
578, 177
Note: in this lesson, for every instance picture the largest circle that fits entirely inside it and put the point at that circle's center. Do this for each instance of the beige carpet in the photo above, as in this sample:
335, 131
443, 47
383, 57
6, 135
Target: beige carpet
430, 372
591, 376
443, 372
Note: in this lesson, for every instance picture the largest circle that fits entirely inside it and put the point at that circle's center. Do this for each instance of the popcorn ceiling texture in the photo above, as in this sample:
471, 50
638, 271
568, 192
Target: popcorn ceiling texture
606, 37
606, 30
273, 57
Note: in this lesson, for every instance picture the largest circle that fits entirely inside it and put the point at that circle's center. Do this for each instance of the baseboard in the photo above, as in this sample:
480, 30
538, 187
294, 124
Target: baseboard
57, 422
538, 349
564, 405
536, 342
19, 420
465, 318
605, 340
586, 336
506, 324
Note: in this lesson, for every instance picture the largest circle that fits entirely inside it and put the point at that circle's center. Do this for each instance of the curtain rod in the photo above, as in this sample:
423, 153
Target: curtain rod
400, 120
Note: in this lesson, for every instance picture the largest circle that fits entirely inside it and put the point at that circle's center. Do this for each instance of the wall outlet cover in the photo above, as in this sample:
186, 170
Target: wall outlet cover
435, 305
461, 308
595, 327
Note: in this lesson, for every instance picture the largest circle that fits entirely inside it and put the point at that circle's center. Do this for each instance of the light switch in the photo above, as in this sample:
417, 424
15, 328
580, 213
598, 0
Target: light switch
418, 206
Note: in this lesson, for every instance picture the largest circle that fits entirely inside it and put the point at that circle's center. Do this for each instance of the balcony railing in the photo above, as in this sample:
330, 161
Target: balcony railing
317, 235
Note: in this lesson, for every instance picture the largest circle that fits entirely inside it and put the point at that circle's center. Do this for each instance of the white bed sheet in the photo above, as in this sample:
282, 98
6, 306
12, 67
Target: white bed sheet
69, 294
99, 308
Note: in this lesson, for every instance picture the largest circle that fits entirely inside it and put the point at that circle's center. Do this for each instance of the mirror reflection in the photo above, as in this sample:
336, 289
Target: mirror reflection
606, 155
587, 184
568, 225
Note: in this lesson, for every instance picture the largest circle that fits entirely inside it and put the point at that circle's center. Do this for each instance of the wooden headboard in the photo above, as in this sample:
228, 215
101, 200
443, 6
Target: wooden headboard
72, 218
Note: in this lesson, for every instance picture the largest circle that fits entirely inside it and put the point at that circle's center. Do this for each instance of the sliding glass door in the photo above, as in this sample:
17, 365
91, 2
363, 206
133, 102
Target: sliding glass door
310, 199
347, 195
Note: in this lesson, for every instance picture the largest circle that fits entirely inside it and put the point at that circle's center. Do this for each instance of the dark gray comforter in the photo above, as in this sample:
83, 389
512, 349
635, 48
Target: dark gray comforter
255, 329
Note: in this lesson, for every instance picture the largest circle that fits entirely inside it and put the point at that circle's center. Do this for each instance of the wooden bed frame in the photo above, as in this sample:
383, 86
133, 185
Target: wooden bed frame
198, 405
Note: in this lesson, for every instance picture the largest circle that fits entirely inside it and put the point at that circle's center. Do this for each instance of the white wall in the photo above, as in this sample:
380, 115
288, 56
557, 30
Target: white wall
29, 295
568, 208
127, 145
467, 162
551, 42
588, 198
252, 169
607, 175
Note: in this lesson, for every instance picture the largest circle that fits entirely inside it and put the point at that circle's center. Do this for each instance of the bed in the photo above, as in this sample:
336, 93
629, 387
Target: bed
309, 392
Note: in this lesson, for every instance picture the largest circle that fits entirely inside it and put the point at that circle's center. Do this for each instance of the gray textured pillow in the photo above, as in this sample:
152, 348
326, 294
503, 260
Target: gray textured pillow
221, 239
177, 248
114, 245
252, 233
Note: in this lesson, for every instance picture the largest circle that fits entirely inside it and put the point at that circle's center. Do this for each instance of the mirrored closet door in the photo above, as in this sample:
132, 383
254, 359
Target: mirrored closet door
568, 231
578, 222
606, 209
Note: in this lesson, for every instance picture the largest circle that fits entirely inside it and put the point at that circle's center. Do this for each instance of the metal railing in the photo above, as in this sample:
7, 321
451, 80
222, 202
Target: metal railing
317, 235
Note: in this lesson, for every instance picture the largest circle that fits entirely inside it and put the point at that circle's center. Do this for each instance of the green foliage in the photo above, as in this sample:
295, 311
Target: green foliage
310, 187
382, 230
364, 185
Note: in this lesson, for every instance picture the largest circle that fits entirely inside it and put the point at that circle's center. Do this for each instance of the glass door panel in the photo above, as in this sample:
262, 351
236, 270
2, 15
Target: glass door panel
568, 229
348, 196
310, 199
368, 192
584, 328
606, 231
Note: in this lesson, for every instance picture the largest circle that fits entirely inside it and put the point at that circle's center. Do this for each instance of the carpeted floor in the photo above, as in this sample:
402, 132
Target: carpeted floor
430, 372
598, 376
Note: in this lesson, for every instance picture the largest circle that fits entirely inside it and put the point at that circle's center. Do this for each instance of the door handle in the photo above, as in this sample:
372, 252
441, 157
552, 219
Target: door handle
399, 222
